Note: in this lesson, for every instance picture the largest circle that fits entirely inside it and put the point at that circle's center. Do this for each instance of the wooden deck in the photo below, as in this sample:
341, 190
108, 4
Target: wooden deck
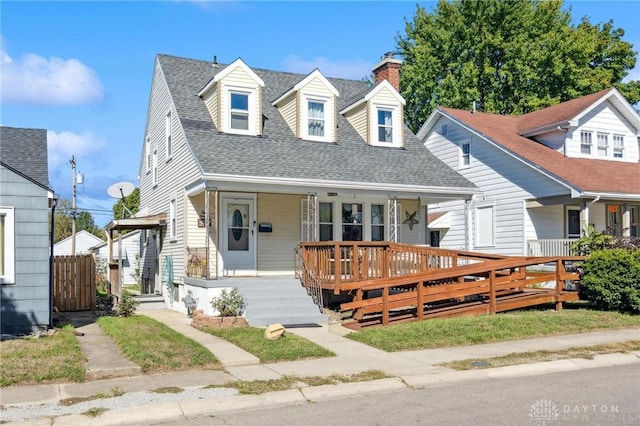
388, 282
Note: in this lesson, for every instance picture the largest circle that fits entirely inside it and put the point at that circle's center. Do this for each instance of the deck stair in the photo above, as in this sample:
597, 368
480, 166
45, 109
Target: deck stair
278, 300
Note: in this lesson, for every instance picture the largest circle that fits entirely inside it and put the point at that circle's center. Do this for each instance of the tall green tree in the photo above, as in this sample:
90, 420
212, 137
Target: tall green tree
131, 202
64, 222
510, 57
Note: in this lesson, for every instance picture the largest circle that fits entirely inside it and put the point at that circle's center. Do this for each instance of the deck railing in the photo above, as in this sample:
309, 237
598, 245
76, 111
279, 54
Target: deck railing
307, 275
550, 247
334, 263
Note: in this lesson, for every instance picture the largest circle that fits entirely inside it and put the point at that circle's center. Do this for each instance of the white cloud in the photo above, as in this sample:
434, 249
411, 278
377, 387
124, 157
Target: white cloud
61, 146
35, 80
356, 69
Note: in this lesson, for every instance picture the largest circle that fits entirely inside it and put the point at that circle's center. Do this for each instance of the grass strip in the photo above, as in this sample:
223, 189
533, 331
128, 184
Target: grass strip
464, 331
292, 382
154, 346
289, 347
586, 352
50, 358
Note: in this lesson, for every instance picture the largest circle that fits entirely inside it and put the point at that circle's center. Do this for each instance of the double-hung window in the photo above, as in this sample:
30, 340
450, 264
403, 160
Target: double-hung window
173, 213
154, 173
603, 144
618, 146
325, 222
7, 246
585, 142
316, 118
239, 102
377, 222
465, 154
385, 125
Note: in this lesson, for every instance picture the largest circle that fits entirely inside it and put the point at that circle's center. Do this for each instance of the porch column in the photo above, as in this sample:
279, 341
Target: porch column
467, 224
392, 212
584, 217
311, 217
626, 220
207, 226
426, 223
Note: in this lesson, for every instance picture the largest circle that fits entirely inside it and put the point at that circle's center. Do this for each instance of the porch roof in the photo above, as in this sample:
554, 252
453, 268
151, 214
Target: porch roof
134, 223
278, 155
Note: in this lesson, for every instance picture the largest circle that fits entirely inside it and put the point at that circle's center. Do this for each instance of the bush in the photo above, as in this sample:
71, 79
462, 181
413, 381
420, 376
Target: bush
611, 280
127, 306
229, 304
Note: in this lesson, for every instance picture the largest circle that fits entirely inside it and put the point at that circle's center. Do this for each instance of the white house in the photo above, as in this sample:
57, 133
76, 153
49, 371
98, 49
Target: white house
84, 241
131, 250
544, 176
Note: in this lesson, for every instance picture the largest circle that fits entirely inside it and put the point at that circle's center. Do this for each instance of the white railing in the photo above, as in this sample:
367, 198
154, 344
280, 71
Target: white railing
559, 247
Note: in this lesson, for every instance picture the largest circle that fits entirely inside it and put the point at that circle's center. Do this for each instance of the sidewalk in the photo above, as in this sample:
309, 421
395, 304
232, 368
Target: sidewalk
411, 368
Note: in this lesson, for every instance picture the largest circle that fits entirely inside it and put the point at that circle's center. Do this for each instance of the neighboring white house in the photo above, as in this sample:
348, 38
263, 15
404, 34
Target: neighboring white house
544, 176
84, 241
131, 257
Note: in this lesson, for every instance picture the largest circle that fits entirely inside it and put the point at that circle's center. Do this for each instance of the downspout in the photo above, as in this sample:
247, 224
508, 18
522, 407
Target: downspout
54, 203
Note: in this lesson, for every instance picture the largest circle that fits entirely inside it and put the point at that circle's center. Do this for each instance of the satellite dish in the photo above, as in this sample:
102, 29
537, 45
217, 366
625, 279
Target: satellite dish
120, 189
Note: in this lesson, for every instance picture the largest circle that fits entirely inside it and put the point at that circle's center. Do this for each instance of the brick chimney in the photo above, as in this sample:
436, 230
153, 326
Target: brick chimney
388, 69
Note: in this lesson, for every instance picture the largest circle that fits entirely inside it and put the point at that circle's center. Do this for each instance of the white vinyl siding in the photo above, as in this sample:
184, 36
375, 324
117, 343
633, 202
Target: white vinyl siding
148, 155
288, 109
168, 132
275, 249
154, 168
212, 101
173, 219
358, 119
515, 182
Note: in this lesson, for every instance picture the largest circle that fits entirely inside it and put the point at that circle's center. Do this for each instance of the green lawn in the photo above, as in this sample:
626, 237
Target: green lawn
48, 359
156, 347
462, 331
289, 347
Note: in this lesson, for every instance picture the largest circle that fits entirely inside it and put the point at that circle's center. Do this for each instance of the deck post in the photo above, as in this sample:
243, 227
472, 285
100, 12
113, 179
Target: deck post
355, 263
492, 294
385, 305
420, 304
559, 272
337, 268
359, 313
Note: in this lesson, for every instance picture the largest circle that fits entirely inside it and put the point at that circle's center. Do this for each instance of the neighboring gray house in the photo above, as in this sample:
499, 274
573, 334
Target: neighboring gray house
85, 240
131, 255
545, 176
244, 163
25, 202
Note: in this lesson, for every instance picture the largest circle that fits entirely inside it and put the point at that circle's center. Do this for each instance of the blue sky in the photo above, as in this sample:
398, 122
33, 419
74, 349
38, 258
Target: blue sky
82, 69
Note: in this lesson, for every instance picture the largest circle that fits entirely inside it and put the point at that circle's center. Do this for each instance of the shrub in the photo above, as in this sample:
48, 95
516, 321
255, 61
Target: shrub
127, 306
611, 280
229, 304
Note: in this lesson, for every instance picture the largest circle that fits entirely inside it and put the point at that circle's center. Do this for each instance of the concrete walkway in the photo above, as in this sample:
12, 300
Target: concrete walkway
410, 368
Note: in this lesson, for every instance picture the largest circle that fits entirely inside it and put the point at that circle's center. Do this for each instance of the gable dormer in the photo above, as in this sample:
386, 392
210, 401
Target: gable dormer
379, 116
234, 99
309, 108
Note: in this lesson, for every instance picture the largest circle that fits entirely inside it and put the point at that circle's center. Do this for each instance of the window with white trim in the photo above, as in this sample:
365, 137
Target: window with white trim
149, 154
465, 154
385, 125
154, 173
7, 246
586, 140
315, 118
603, 144
618, 146
574, 228
377, 222
444, 129
167, 132
239, 111
352, 222
325, 221
484, 226
173, 214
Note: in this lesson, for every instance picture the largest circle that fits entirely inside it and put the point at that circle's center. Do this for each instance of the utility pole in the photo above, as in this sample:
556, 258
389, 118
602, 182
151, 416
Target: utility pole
73, 208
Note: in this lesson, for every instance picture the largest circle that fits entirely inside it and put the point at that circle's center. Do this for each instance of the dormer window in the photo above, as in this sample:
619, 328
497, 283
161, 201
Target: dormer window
385, 125
239, 110
586, 140
618, 146
316, 119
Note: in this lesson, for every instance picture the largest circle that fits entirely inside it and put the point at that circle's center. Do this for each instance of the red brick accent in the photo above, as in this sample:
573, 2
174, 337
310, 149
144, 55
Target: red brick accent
200, 321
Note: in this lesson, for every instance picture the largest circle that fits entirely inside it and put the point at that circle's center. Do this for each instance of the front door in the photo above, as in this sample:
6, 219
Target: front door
238, 236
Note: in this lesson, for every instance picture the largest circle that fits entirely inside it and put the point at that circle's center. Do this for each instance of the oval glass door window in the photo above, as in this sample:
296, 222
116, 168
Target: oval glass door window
238, 228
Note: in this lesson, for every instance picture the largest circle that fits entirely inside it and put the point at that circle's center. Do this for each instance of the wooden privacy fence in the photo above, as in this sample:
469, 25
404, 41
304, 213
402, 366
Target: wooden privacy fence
74, 283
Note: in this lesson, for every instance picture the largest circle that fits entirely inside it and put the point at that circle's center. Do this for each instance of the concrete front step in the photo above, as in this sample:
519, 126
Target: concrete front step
148, 302
282, 301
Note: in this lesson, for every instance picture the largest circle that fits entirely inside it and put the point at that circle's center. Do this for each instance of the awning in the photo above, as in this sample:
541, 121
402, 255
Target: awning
133, 223
440, 220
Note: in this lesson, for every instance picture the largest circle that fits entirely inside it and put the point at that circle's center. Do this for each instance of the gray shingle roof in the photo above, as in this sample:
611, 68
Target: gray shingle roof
279, 154
25, 150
